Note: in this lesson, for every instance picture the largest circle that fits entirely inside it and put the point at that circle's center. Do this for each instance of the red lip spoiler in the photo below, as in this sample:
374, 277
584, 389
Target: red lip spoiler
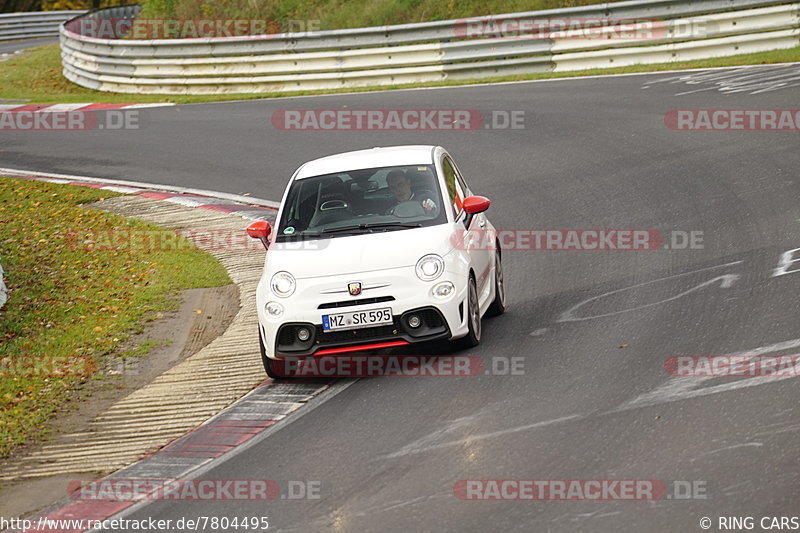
361, 348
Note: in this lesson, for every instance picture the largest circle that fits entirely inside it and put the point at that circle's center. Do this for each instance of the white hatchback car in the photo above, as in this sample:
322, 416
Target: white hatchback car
368, 255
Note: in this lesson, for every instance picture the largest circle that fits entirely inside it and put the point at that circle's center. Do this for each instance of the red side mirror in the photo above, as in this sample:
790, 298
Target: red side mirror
261, 230
476, 204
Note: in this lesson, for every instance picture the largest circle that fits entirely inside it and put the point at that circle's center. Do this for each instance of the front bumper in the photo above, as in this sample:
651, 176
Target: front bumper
433, 327
441, 319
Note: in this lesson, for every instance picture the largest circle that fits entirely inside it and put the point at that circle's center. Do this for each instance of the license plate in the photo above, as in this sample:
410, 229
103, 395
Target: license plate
357, 319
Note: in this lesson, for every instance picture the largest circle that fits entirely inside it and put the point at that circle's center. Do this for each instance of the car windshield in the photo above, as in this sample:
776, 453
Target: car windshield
362, 201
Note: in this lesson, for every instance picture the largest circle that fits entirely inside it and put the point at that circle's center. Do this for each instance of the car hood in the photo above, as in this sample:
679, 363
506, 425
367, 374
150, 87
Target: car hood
359, 253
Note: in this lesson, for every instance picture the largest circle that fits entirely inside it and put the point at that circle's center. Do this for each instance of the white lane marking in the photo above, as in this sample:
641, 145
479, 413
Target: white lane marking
745, 77
73, 107
56, 180
144, 106
700, 77
785, 429
754, 80
426, 444
757, 87
725, 281
593, 514
787, 258
63, 107
187, 202
776, 88
747, 80
695, 91
120, 188
733, 447
683, 388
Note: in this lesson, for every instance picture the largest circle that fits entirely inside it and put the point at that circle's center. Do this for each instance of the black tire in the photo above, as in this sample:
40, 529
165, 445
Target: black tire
498, 306
473, 336
268, 363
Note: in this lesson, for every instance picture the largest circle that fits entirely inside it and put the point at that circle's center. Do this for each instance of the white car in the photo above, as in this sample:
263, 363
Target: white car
368, 254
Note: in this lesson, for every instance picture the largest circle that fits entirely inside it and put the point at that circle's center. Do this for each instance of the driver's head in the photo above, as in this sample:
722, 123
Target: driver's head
399, 184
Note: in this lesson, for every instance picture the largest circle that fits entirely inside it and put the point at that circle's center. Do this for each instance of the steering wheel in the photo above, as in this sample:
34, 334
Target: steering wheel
407, 209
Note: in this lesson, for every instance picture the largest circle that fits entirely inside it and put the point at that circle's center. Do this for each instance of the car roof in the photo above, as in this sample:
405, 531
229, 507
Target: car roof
388, 156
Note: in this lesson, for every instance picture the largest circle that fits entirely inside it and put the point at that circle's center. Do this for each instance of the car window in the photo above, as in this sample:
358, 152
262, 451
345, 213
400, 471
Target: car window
460, 179
333, 202
454, 184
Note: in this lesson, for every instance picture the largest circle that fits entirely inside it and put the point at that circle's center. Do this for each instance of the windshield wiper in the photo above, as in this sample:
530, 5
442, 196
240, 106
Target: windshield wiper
300, 235
374, 225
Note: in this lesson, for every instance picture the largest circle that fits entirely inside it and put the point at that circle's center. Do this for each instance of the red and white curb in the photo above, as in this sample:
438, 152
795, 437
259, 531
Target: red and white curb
243, 424
62, 108
236, 204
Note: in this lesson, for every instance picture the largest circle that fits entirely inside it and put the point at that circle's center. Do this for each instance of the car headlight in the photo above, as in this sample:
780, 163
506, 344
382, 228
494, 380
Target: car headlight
283, 284
430, 267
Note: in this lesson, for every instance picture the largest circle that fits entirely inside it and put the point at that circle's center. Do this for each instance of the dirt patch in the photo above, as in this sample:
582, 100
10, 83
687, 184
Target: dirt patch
203, 315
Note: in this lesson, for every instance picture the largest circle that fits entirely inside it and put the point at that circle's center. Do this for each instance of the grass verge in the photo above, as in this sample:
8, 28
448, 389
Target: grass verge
71, 304
36, 78
335, 14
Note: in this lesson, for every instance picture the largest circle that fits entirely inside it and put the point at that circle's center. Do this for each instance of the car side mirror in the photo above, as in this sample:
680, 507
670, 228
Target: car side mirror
474, 205
261, 230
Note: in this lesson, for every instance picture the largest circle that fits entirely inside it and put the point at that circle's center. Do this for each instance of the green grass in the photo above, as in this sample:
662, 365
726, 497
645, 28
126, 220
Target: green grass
36, 78
336, 14
72, 302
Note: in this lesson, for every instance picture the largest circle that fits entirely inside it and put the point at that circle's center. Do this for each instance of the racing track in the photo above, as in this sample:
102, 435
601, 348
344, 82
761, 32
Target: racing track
7, 47
594, 154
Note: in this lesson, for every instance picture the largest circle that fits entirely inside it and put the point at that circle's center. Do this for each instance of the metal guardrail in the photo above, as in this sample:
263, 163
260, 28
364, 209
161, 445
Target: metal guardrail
29, 25
424, 52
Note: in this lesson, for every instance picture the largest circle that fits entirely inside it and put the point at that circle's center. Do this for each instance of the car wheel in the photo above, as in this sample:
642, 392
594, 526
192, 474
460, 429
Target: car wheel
473, 336
269, 364
498, 306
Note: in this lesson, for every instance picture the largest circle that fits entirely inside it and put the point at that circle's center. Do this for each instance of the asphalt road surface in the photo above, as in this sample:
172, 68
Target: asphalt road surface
22, 44
592, 329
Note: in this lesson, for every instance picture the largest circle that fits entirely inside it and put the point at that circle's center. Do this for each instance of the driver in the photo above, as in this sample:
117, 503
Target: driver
401, 188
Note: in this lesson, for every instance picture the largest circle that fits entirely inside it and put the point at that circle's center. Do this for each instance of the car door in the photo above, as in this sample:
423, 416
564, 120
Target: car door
480, 254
